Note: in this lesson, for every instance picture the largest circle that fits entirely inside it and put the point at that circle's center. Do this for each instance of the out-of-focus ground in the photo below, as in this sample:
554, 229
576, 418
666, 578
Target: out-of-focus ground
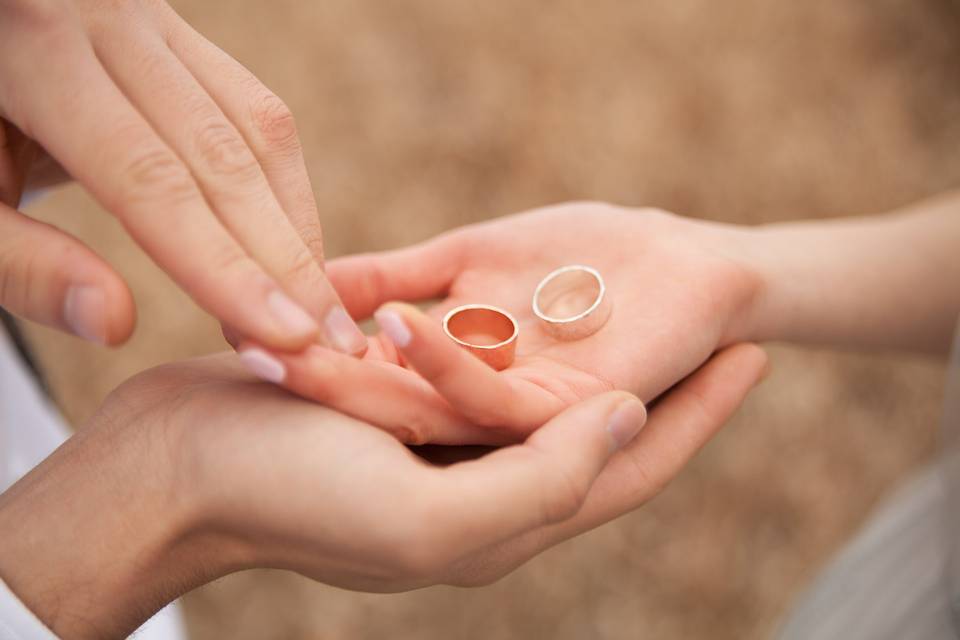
418, 116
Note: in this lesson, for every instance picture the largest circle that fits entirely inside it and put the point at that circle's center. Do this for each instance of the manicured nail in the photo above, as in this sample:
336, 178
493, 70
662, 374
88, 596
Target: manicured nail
263, 365
343, 334
625, 422
290, 315
392, 324
84, 311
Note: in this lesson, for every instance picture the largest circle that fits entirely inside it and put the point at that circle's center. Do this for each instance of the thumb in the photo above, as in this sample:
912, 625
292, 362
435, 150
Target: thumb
50, 277
546, 479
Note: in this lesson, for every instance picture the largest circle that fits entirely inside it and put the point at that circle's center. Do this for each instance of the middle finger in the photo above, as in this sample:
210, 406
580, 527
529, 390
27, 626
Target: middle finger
226, 170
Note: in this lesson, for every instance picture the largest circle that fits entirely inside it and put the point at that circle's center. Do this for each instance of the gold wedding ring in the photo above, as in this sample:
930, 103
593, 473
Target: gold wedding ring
485, 331
572, 302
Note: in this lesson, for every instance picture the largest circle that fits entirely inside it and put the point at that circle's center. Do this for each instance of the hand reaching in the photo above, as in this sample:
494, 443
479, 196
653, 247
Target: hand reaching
195, 157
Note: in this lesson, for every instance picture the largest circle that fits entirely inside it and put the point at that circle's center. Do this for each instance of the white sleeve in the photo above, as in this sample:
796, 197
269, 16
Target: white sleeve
30, 197
30, 429
17, 622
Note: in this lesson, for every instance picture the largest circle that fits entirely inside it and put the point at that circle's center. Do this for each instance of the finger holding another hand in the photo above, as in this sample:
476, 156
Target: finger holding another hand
679, 425
471, 506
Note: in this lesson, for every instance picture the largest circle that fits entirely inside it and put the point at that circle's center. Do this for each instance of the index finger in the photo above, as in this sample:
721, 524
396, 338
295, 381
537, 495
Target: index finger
87, 124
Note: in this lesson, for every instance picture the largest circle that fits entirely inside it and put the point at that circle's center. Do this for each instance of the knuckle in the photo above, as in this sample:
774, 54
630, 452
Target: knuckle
224, 151
563, 501
274, 122
302, 266
30, 279
157, 173
312, 235
37, 15
228, 258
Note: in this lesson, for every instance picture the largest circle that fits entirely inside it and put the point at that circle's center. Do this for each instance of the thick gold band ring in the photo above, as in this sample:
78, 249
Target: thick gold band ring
485, 331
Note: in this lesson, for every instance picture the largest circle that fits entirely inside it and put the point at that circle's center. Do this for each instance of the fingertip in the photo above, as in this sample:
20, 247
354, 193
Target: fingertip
122, 317
625, 421
343, 334
273, 319
97, 304
620, 415
402, 323
393, 325
262, 364
290, 317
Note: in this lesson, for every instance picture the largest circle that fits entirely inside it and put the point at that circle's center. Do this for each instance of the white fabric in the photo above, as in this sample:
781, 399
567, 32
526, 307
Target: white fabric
30, 429
887, 583
30, 197
16, 621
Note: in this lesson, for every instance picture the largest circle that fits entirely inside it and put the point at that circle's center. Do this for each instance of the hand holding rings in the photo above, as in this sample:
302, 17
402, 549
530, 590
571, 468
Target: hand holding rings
571, 303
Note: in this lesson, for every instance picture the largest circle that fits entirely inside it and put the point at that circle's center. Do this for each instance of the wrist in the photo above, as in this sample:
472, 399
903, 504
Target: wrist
99, 536
745, 283
765, 256
842, 282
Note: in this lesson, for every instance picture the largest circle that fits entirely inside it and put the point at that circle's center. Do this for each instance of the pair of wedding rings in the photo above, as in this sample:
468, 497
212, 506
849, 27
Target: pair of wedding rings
570, 303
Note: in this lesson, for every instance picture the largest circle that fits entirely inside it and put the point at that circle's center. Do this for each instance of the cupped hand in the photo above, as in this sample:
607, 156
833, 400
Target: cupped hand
201, 471
678, 288
197, 159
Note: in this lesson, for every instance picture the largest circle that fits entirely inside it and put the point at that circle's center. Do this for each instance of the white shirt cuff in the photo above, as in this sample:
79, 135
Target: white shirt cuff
30, 197
17, 622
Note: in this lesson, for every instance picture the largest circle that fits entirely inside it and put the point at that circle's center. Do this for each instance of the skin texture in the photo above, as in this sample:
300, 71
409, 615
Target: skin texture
196, 158
205, 472
665, 323
681, 289
201, 471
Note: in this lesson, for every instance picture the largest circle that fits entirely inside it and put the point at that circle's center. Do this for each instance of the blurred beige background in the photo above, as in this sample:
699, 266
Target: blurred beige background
421, 115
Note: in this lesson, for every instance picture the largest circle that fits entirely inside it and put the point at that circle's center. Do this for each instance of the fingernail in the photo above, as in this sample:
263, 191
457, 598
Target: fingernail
393, 325
289, 314
343, 334
625, 422
84, 311
263, 365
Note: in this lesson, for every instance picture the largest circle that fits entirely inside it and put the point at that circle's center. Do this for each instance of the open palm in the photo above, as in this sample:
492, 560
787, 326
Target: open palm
678, 294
